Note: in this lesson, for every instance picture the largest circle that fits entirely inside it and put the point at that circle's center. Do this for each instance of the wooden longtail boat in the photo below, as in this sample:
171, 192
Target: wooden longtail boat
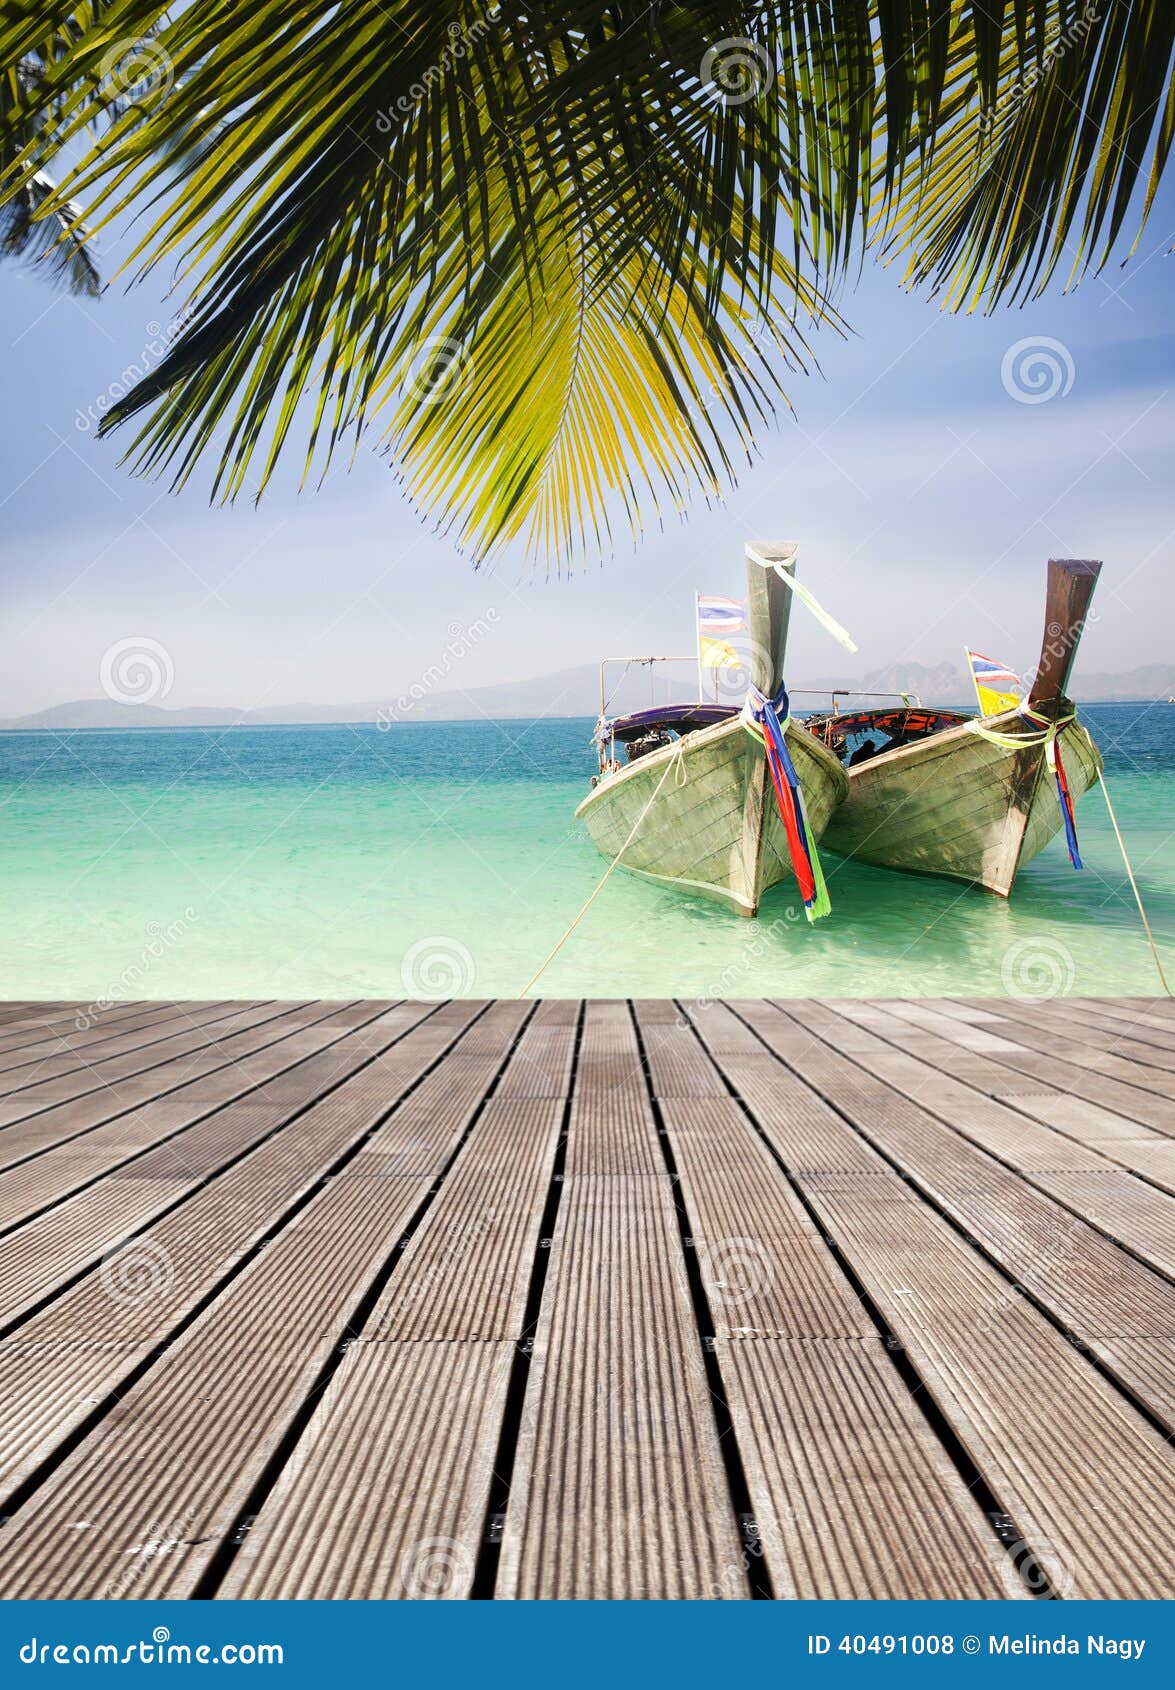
944, 792
693, 806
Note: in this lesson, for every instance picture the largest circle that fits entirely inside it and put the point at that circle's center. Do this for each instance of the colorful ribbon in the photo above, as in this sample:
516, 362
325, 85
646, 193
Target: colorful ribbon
767, 720
1049, 738
1052, 751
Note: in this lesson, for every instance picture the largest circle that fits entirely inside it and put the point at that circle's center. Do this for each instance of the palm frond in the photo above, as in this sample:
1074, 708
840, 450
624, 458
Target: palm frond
609, 209
1058, 161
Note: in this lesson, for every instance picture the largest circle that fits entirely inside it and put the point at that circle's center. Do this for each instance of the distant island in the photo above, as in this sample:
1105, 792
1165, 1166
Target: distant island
569, 692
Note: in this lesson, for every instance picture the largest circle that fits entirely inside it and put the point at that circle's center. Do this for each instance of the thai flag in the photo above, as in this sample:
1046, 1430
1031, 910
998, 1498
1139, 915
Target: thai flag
989, 673
718, 616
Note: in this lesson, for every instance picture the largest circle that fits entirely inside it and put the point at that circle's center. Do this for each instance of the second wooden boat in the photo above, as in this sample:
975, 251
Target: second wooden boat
693, 807
972, 798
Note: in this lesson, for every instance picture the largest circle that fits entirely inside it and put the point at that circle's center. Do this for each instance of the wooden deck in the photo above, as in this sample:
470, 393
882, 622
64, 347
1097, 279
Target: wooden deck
604, 1300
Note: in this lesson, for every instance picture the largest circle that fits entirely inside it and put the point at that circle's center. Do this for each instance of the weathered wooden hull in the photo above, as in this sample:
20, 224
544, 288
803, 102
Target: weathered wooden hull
713, 827
960, 806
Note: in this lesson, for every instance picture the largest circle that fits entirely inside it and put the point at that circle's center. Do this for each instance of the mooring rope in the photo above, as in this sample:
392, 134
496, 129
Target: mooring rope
675, 763
1134, 885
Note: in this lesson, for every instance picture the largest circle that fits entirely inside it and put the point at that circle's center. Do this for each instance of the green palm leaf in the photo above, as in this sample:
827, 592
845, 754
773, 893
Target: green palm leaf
612, 221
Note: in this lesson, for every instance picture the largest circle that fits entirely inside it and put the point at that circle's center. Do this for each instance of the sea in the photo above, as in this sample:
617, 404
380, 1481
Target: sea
436, 859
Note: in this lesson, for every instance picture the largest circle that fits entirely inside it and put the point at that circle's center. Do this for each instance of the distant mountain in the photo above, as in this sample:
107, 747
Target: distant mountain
568, 692
105, 713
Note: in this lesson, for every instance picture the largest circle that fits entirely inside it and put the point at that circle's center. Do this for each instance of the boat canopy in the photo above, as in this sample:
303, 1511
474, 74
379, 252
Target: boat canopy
681, 718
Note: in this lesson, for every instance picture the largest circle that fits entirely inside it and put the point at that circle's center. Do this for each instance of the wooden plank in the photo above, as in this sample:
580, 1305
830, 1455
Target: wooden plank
1090, 1284
1102, 1033
258, 1055
1123, 1207
86, 1051
846, 1504
185, 1443
38, 1258
982, 1361
1138, 1103
83, 1346
932, 1077
360, 1515
105, 1077
612, 1126
251, 1029
426, 1413
466, 1273
70, 1038
854, 1496
618, 1489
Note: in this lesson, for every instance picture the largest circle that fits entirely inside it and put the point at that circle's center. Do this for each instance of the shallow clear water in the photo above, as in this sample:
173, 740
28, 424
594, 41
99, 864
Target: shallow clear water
444, 857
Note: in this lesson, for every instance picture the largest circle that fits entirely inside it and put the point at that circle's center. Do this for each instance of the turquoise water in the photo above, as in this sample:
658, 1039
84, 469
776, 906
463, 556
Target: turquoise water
432, 858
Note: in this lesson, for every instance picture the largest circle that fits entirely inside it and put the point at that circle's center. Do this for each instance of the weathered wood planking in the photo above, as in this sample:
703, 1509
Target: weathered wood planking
75, 1044
39, 1154
1032, 1413
103, 1078
619, 1488
107, 1057
302, 1283
181, 1444
431, 1365
863, 1503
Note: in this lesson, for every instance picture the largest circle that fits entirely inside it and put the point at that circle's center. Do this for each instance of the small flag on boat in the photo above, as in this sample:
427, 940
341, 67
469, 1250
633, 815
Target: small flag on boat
717, 618
994, 684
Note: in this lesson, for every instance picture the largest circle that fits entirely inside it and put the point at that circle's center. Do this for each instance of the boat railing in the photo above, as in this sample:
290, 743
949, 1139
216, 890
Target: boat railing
640, 662
837, 693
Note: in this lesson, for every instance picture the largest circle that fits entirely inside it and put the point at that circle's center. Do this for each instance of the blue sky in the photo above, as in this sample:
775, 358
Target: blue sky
925, 498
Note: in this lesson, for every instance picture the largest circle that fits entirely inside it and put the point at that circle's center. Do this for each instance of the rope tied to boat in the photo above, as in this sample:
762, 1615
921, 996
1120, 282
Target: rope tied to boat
1048, 734
675, 767
767, 720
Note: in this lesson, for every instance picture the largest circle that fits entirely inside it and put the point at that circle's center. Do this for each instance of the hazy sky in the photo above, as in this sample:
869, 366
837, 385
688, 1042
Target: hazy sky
925, 498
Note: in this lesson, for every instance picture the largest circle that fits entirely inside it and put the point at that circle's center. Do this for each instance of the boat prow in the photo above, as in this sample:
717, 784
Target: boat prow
694, 807
970, 798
